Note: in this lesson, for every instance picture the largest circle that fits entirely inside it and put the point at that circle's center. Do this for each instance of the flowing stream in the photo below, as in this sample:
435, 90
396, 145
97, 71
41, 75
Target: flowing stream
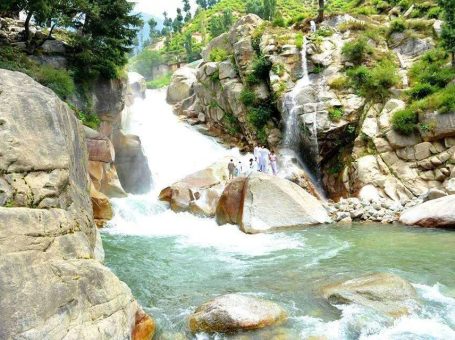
175, 262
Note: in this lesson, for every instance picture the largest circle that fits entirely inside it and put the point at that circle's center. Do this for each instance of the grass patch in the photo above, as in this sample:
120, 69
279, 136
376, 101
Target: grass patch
299, 40
248, 97
356, 51
160, 82
405, 121
335, 114
218, 55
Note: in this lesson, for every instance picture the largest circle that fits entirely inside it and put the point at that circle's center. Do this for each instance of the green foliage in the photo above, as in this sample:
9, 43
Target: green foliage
374, 83
145, 61
252, 80
215, 76
261, 68
299, 40
339, 83
324, 32
160, 82
405, 121
278, 69
259, 116
88, 119
248, 97
357, 50
434, 13
442, 101
218, 55
59, 81
420, 91
397, 25
335, 114
231, 123
218, 24
448, 29
432, 69
318, 68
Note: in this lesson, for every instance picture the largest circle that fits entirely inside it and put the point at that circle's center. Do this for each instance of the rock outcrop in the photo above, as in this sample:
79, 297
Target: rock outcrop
437, 213
261, 202
53, 284
181, 86
386, 293
199, 192
235, 312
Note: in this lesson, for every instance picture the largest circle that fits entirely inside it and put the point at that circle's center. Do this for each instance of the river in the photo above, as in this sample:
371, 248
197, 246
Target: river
175, 262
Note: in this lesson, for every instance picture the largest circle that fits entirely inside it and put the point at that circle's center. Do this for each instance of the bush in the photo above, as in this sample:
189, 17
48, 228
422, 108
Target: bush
405, 121
278, 69
299, 41
339, 83
420, 91
88, 119
374, 83
59, 81
335, 114
252, 80
279, 22
352, 25
160, 82
434, 13
324, 32
442, 101
248, 97
356, 51
261, 68
432, 69
215, 76
231, 123
397, 25
218, 55
259, 116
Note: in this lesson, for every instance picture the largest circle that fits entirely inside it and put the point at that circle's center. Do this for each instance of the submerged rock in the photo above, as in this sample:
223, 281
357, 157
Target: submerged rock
383, 292
235, 312
267, 202
438, 213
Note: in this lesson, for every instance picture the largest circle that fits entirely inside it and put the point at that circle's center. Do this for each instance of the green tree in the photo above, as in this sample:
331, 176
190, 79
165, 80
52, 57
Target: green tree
269, 9
202, 3
106, 32
448, 29
153, 31
187, 10
255, 7
177, 24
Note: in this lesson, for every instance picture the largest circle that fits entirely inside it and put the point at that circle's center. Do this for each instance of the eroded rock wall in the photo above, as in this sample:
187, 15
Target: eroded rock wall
52, 283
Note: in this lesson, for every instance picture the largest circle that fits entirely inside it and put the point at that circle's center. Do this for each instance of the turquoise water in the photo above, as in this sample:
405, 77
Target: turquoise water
171, 274
175, 262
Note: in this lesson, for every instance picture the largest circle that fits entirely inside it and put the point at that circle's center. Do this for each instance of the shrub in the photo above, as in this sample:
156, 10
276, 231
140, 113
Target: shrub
405, 121
261, 68
215, 76
259, 116
279, 22
218, 54
88, 119
252, 80
432, 69
278, 69
318, 68
335, 114
248, 97
324, 31
352, 25
357, 50
442, 101
299, 41
397, 25
434, 13
420, 91
339, 83
374, 83
231, 123
160, 82
57, 80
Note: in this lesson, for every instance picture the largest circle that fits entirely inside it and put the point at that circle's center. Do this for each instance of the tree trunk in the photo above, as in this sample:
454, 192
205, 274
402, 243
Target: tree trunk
320, 11
27, 27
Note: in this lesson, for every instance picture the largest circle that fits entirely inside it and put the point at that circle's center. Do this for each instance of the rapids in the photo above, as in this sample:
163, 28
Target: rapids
175, 262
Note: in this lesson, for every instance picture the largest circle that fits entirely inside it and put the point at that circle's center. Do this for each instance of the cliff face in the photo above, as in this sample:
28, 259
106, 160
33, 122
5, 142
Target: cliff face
52, 283
345, 133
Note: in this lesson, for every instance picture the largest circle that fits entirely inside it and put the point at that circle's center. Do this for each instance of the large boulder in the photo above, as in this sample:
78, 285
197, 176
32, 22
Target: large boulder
136, 84
235, 312
438, 213
53, 285
220, 43
132, 164
181, 86
199, 192
386, 293
261, 202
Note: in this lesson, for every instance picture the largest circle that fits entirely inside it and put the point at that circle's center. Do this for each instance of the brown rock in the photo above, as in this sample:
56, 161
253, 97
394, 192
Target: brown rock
229, 209
102, 209
144, 328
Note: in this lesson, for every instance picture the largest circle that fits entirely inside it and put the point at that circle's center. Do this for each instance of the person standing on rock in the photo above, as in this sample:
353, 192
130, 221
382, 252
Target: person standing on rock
231, 169
272, 158
252, 166
264, 156
256, 151
239, 169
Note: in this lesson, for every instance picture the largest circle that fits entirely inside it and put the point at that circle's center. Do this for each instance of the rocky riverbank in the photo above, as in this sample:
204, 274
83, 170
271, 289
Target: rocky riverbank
54, 284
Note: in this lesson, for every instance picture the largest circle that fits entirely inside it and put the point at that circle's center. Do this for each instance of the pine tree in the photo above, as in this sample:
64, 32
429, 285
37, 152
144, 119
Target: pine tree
448, 29
202, 3
178, 21
269, 9
187, 10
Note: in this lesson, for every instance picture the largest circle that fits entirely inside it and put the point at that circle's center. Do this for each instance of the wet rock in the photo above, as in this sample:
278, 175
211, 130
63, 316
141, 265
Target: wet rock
437, 213
383, 292
181, 86
144, 327
269, 203
235, 312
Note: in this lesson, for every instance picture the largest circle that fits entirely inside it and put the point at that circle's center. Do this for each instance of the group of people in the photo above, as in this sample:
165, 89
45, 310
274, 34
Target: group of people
261, 161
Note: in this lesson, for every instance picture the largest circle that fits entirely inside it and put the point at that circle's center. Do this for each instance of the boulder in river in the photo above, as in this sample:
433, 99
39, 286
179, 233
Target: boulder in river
437, 213
181, 86
235, 312
261, 202
383, 292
